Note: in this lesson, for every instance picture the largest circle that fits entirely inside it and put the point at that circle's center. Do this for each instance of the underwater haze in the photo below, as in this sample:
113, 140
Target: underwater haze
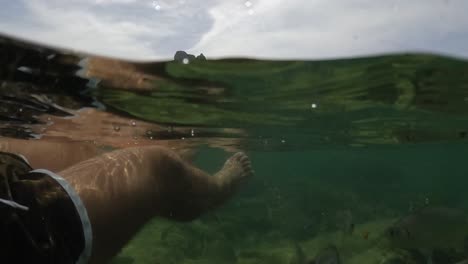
348, 154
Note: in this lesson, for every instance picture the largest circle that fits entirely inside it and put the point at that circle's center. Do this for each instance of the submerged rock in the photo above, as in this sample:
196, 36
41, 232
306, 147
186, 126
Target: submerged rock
438, 233
430, 228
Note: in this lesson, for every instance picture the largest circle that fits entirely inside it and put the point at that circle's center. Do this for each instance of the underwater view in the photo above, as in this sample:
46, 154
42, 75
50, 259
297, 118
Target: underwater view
357, 161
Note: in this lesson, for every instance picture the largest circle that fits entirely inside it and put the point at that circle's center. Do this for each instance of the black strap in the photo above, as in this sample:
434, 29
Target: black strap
49, 231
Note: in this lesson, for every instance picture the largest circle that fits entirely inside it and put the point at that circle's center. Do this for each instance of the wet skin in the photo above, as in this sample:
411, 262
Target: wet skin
123, 189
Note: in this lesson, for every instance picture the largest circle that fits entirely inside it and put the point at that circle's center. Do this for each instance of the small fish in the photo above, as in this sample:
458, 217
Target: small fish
428, 229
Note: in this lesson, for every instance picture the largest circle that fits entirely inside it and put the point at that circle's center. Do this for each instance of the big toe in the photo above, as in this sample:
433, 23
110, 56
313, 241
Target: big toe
243, 161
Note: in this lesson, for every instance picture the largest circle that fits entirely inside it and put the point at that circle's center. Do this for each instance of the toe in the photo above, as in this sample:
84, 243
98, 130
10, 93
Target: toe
248, 170
245, 159
239, 155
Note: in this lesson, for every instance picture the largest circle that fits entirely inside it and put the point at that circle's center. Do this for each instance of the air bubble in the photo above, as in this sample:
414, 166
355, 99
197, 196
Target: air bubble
116, 128
185, 61
313, 105
283, 141
192, 133
133, 123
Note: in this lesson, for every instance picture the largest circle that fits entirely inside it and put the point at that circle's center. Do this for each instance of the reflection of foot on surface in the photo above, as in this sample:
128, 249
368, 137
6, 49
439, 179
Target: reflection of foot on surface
236, 170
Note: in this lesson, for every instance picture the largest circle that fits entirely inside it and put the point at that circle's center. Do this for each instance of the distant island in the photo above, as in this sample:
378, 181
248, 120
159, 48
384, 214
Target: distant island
184, 57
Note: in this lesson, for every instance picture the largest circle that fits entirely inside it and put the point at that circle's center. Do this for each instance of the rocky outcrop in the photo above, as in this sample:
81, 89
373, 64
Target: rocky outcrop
184, 57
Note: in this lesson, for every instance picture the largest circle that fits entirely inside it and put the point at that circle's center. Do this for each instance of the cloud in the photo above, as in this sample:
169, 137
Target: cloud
73, 26
304, 29
114, 1
119, 28
324, 29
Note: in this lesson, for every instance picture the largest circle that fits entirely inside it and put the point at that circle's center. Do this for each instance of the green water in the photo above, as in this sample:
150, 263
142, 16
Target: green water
309, 104
297, 196
386, 137
362, 141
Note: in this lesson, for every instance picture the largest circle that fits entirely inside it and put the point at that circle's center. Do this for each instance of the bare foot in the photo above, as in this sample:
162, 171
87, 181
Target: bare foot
236, 170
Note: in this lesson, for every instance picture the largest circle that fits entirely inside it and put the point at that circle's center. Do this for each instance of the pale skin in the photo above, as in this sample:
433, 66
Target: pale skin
124, 189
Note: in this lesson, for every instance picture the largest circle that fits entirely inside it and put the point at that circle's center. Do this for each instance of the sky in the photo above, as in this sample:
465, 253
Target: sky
269, 29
